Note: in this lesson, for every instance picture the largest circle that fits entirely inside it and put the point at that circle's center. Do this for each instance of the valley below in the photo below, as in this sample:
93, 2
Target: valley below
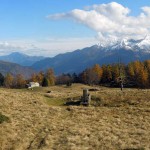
51, 118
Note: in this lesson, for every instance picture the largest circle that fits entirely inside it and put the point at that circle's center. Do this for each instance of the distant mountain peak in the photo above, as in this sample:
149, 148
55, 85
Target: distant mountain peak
20, 58
16, 53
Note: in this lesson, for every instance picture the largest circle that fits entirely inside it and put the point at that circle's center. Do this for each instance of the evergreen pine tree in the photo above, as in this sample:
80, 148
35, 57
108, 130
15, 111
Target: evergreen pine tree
45, 82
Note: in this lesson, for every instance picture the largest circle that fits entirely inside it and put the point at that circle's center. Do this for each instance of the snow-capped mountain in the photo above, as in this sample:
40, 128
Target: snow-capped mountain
126, 50
129, 44
124, 43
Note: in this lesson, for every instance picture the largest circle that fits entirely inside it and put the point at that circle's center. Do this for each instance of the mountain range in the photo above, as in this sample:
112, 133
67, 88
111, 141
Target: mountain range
125, 50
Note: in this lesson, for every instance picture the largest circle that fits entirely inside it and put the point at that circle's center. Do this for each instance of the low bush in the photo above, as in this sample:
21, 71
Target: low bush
3, 118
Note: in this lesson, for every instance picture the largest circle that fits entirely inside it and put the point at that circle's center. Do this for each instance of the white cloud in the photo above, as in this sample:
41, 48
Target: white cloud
6, 47
111, 20
146, 10
45, 47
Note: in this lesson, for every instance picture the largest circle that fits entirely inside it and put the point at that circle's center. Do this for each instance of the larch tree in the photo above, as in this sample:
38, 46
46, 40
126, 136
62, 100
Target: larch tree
34, 77
107, 73
9, 80
147, 66
97, 70
50, 76
142, 79
115, 73
130, 71
19, 81
40, 77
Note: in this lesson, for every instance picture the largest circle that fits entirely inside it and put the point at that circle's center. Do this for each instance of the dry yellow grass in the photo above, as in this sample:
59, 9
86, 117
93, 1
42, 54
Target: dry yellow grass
120, 120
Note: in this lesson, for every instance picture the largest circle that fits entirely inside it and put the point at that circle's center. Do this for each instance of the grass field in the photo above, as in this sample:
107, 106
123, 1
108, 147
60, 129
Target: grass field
42, 120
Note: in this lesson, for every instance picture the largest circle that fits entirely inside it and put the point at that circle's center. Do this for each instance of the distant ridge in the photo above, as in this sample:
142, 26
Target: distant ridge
21, 59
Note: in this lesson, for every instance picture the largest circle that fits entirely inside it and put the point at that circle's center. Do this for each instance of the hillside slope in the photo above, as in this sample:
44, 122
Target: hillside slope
7, 67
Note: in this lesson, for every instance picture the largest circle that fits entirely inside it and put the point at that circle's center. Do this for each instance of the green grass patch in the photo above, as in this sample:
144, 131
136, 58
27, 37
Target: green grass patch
3, 118
55, 101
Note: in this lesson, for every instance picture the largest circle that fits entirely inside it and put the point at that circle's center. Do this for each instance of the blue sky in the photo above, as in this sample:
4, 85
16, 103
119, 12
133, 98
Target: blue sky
24, 25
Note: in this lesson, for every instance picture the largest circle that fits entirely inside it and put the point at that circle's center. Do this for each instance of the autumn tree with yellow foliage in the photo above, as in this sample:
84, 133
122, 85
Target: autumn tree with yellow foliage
8, 80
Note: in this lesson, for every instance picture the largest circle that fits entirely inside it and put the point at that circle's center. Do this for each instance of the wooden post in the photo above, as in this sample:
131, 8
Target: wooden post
86, 98
121, 85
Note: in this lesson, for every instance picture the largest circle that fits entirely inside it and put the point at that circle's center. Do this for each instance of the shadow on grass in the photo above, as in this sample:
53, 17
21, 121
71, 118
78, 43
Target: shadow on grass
72, 103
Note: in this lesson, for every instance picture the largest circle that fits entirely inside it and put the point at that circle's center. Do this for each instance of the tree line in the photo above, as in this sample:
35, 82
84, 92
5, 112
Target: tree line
18, 81
135, 74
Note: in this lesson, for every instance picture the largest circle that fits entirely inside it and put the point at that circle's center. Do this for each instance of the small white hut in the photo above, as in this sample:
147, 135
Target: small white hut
33, 84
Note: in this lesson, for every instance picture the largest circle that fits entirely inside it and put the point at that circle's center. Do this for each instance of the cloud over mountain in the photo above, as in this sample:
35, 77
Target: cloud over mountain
45, 47
110, 20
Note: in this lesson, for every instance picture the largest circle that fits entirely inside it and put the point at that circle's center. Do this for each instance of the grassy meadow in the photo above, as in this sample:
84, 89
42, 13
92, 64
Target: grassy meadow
51, 118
